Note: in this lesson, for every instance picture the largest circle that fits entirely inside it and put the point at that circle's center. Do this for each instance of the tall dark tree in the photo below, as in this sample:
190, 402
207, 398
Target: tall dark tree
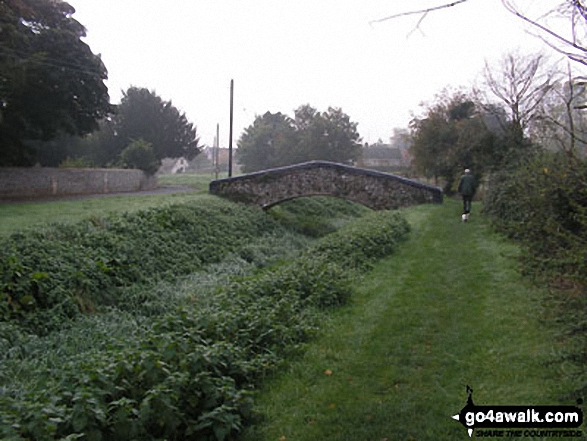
267, 143
452, 135
142, 114
50, 81
327, 136
275, 140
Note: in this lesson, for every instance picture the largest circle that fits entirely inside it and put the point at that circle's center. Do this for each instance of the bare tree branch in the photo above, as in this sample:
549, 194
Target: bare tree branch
423, 11
581, 58
575, 10
521, 84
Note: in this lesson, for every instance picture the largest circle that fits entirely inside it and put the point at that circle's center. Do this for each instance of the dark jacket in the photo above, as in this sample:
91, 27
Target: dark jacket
467, 185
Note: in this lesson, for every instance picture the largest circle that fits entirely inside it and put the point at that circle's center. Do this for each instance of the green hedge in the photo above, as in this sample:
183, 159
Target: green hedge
543, 205
190, 375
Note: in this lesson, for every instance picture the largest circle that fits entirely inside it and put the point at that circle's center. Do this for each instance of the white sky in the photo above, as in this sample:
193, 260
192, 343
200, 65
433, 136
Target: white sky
282, 54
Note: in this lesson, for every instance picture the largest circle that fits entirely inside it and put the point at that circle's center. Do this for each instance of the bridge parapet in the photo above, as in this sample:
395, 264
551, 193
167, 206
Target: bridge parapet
374, 189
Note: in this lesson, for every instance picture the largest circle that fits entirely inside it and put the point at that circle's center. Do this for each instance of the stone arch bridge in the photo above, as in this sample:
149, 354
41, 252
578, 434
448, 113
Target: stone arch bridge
374, 189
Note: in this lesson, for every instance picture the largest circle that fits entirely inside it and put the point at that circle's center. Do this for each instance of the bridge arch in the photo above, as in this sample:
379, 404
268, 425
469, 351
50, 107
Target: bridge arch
374, 189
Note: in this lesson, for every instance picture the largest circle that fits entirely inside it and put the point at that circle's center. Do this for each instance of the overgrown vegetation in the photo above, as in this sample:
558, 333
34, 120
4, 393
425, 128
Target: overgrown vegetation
316, 216
53, 274
543, 204
164, 357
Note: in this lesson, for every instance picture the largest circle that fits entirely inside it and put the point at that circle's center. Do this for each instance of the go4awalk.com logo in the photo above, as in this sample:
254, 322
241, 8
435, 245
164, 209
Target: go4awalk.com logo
520, 421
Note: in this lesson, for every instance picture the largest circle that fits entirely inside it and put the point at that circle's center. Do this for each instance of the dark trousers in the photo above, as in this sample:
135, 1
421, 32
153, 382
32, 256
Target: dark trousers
467, 204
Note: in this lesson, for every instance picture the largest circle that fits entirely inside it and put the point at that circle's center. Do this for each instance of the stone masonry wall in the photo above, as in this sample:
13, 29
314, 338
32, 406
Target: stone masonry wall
31, 183
371, 188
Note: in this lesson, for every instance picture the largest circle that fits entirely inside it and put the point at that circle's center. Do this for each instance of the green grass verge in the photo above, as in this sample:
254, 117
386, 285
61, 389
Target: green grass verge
447, 310
199, 181
25, 215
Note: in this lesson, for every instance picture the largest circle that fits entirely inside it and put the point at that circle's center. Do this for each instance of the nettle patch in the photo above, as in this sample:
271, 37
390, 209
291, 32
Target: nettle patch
54, 274
189, 373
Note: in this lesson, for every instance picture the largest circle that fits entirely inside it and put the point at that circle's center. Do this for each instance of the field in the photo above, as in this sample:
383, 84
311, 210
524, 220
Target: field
210, 320
21, 215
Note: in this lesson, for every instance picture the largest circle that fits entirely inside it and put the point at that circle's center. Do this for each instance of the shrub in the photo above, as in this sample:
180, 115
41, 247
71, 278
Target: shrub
189, 374
139, 154
63, 270
544, 205
358, 244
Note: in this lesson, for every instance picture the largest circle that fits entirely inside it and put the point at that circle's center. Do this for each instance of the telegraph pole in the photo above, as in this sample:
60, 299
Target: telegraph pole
230, 136
217, 151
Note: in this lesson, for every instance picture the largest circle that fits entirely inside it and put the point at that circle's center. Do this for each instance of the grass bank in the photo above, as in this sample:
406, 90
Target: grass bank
26, 215
106, 331
447, 310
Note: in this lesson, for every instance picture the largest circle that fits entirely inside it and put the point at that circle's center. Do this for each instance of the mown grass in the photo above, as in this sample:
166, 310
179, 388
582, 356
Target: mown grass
198, 181
25, 215
447, 310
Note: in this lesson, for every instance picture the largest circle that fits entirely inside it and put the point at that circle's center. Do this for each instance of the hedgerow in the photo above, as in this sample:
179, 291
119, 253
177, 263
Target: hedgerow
189, 373
543, 205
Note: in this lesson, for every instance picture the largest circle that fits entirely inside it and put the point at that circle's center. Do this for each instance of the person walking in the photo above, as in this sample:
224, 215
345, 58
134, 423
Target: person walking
467, 187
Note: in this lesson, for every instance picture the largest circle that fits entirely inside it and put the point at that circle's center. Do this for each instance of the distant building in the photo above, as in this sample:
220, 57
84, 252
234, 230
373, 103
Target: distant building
173, 165
180, 166
384, 157
202, 163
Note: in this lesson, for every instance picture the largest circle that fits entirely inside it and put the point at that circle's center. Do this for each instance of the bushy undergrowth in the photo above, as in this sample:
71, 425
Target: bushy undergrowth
316, 216
49, 275
185, 372
543, 205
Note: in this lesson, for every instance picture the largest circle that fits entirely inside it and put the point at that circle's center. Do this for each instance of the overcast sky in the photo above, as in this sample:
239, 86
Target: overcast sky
282, 54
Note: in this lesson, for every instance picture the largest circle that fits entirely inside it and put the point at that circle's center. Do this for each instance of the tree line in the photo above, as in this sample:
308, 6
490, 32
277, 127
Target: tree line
275, 139
524, 105
55, 107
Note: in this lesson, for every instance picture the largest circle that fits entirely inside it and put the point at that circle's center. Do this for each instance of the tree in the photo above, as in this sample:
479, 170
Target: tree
571, 45
142, 114
327, 136
267, 143
450, 136
139, 154
521, 83
562, 123
50, 81
276, 140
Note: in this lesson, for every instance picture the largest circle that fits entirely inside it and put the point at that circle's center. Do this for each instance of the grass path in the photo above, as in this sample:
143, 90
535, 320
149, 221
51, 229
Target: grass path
447, 310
